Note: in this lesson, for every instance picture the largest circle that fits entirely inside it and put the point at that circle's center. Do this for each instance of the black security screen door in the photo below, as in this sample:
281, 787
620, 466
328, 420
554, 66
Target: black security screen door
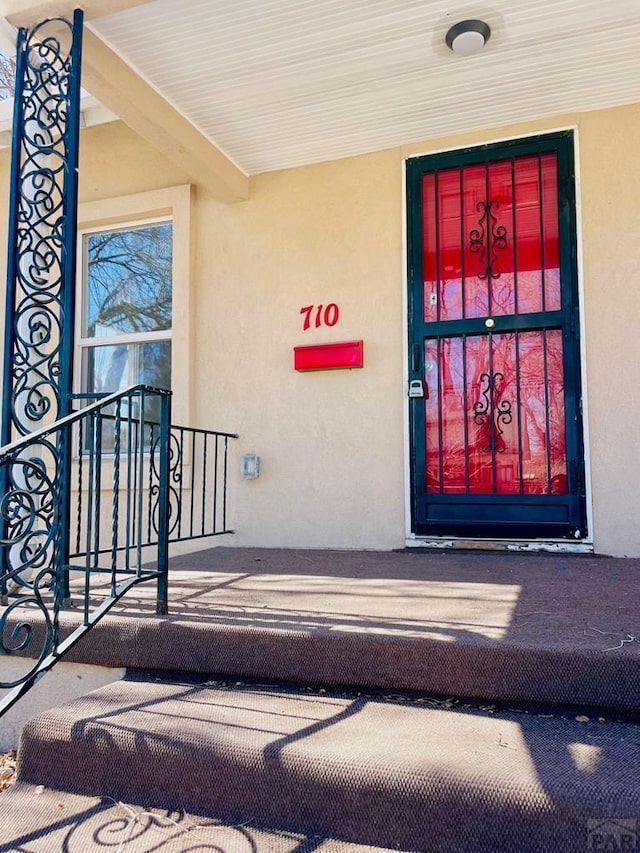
496, 432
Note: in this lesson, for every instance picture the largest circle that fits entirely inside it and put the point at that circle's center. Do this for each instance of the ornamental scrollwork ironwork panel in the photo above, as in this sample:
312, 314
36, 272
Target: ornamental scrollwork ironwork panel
40, 246
491, 413
488, 239
40, 283
29, 513
27, 509
24, 634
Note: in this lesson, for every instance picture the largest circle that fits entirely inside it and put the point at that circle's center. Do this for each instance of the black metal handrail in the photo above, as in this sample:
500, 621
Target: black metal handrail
197, 484
88, 507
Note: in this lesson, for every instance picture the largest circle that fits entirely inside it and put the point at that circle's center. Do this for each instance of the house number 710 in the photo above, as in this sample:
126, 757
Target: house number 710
325, 315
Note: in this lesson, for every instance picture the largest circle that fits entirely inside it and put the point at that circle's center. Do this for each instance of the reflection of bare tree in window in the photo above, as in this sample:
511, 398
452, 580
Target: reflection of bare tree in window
540, 379
7, 77
117, 365
129, 281
128, 296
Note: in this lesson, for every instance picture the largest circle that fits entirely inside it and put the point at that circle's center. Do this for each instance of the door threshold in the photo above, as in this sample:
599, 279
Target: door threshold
552, 545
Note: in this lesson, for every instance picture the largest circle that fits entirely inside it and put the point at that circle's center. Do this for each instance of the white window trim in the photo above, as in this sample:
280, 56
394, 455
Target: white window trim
84, 342
175, 204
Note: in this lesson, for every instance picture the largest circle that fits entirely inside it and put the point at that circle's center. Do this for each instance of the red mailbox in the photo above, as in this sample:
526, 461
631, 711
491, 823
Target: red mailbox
329, 356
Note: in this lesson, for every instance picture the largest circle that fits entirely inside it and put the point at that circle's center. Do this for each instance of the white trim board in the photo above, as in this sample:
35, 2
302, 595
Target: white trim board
560, 546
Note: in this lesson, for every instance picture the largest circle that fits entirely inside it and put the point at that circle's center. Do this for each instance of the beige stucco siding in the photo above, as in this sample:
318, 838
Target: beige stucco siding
610, 191
332, 444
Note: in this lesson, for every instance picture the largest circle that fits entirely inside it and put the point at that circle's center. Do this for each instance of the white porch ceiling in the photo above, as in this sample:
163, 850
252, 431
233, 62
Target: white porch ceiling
282, 83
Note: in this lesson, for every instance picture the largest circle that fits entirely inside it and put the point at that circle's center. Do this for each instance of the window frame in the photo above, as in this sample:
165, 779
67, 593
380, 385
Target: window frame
173, 204
85, 343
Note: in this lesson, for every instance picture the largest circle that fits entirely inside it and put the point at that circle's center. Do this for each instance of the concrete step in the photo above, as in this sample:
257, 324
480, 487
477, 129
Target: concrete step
335, 656
407, 773
496, 627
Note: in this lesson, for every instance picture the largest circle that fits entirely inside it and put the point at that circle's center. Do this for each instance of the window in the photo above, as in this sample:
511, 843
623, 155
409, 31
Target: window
126, 306
134, 303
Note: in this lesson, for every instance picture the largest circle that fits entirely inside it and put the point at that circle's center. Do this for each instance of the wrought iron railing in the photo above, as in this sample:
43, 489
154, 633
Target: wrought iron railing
88, 507
197, 478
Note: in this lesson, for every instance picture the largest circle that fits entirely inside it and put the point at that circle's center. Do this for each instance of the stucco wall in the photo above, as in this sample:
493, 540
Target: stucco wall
66, 682
610, 184
332, 444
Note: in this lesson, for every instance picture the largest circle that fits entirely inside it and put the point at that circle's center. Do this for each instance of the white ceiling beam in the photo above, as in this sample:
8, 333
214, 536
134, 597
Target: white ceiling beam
122, 91
119, 88
25, 13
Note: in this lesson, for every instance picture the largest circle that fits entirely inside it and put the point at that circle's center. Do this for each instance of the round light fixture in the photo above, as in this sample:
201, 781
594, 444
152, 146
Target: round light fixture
468, 37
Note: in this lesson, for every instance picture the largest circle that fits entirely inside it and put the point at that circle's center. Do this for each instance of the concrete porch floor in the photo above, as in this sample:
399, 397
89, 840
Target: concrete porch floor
540, 627
543, 599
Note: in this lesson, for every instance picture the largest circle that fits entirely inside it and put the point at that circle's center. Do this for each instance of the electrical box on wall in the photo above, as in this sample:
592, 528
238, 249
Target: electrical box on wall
347, 354
250, 466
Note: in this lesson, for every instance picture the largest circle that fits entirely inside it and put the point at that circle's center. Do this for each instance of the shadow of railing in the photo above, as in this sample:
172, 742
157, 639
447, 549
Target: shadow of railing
323, 766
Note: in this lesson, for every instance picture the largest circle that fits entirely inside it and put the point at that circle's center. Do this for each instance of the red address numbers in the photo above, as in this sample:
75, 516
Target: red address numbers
323, 315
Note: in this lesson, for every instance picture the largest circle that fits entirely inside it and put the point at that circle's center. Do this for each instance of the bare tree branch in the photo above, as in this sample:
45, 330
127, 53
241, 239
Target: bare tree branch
7, 77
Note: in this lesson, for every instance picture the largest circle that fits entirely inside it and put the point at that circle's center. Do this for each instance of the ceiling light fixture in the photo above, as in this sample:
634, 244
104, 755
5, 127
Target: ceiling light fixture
468, 37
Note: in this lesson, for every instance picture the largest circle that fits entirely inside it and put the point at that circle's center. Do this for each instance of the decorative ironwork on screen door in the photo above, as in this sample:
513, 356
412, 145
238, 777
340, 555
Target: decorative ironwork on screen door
493, 318
491, 413
488, 239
